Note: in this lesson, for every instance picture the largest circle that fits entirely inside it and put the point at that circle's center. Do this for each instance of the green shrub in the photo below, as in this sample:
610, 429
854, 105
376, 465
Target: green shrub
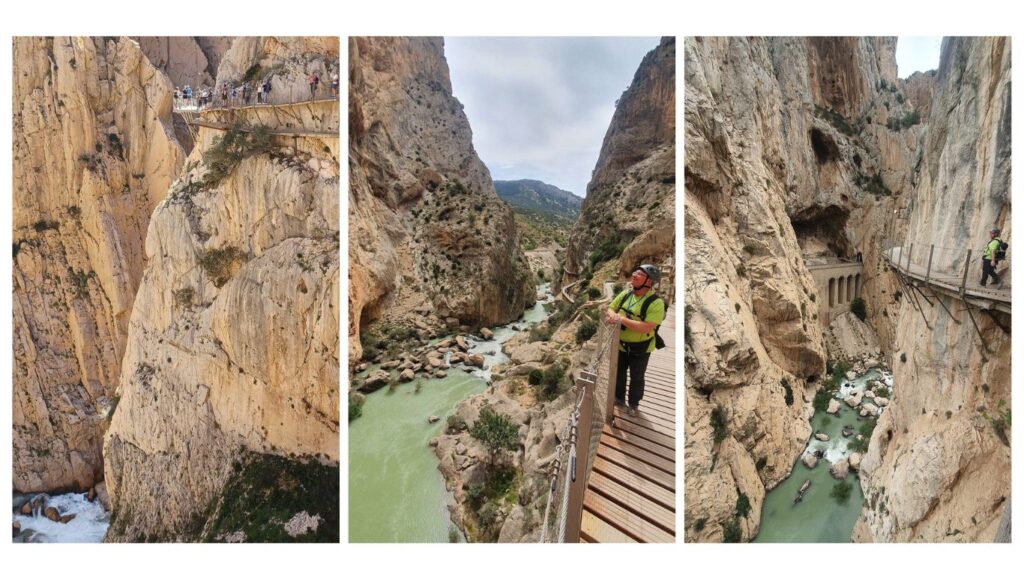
859, 309
593, 292
742, 505
731, 532
551, 382
535, 377
496, 432
719, 424
789, 391
455, 423
219, 263
585, 331
841, 491
761, 462
184, 296
699, 524
355, 406
231, 148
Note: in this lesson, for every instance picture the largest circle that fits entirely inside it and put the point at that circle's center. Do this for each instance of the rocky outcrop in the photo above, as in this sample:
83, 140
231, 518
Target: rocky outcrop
793, 157
232, 355
185, 59
938, 466
629, 209
427, 230
93, 155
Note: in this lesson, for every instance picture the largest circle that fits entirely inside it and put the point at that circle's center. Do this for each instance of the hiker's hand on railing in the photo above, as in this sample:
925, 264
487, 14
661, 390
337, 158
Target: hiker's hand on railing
612, 317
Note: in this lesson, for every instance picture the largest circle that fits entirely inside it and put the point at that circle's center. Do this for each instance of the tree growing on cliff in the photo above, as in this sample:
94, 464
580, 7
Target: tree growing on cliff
859, 309
496, 432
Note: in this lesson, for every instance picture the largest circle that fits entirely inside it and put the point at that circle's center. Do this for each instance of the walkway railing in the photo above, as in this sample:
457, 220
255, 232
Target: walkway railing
949, 269
591, 407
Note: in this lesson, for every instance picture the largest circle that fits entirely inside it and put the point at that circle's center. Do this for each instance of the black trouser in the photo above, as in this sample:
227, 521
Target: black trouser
987, 269
636, 362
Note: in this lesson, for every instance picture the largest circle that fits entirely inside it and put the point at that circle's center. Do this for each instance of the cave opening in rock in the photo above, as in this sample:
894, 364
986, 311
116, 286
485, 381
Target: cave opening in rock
825, 149
823, 226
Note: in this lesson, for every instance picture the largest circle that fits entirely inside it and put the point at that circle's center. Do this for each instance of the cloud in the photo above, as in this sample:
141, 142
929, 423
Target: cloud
539, 107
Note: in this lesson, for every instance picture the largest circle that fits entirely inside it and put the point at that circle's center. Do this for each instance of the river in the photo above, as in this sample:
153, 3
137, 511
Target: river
819, 517
89, 524
396, 492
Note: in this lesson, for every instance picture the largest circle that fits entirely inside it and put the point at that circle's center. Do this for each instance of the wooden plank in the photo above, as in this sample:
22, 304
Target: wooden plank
663, 496
594, 529
648, 420
634, 502
666, 441
641, 443
664, 464
637, 466
625, 521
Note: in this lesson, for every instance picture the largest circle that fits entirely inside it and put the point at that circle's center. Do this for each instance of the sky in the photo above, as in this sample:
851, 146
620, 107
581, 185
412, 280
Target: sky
539, 107
917, 54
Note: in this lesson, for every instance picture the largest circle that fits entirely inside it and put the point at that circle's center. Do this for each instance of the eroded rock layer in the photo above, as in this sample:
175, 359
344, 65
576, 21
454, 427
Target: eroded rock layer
427, 230
93, 155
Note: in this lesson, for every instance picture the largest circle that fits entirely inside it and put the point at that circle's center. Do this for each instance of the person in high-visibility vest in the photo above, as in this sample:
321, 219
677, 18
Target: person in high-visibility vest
639, 312
989, 259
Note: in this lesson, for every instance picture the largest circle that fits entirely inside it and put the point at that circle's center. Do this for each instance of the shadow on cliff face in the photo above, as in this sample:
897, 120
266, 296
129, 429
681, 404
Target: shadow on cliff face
825, 224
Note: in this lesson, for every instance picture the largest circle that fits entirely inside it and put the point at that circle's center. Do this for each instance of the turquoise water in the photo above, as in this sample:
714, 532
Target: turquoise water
819, 517
396, 492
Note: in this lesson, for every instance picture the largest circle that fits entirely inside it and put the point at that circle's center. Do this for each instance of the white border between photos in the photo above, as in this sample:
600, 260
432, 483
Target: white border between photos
481, 18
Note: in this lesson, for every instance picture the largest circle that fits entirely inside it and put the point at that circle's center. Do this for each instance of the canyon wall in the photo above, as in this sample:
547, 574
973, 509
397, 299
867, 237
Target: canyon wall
938, 468
793, 156
431, 246
630, 199
232, 352
93, 155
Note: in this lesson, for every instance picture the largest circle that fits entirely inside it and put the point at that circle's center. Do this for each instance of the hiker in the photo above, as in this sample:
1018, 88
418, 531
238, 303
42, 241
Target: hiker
177, 97
995, 251
266, 91
234, 95
314, 82
246, 93
334, 84
639, 312
223, 94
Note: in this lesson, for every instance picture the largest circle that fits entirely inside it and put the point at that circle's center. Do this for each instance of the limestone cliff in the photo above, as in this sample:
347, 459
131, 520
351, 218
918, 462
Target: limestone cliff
797, 151
93, 155
629, 209
185, 59
938, 468
232, 353
430, 244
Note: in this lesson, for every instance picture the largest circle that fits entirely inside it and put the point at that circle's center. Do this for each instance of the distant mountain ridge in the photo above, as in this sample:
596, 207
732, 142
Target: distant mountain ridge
539, 196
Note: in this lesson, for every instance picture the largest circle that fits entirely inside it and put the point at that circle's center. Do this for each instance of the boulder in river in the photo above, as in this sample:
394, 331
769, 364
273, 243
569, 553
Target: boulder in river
486, 333
880, 401
810, 460
16, 528
407, 375
475, 360
851, 375
432, 418
461, 343
854, 400
52, 514
441, 374
833, 406
375, 381
65, 518
855, 458
840, 470
26, 508
390, 365
821, 437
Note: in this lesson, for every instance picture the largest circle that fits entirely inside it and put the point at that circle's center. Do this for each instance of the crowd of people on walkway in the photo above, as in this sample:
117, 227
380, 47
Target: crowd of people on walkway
228, 95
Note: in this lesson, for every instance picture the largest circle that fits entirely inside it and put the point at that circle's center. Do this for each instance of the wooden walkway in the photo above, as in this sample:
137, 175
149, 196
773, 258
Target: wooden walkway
984, 297
631, 490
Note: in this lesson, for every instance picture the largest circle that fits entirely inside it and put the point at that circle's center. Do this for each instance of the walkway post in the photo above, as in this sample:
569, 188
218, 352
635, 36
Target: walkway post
577, 468
910, 251
967, 264
612, 350
928, 273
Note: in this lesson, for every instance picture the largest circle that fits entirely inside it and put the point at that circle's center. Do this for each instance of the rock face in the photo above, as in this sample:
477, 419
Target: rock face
793, 158
936, 445
630, 199
93, 155
185, 59
233, 339
426, 227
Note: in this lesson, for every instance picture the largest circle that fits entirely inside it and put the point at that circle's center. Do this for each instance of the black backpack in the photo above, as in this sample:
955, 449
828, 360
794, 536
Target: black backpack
1001, 251
659, 342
